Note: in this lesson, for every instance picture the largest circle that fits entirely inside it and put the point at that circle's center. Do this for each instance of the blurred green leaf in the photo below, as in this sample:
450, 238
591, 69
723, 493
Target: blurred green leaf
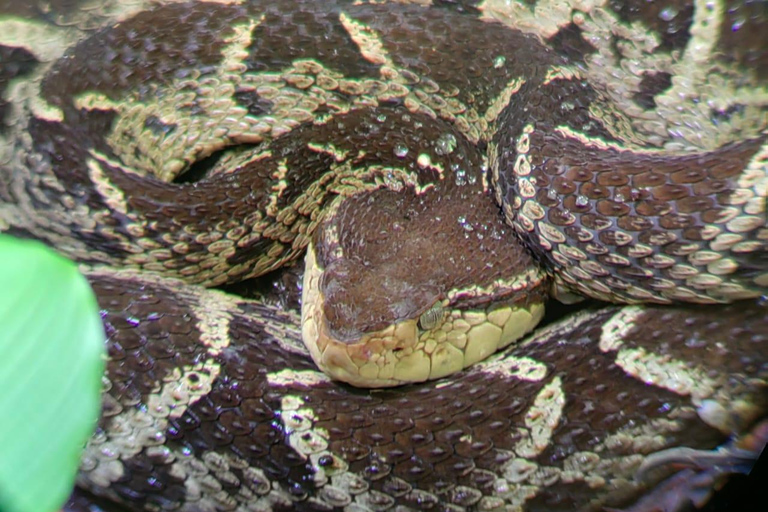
51, 362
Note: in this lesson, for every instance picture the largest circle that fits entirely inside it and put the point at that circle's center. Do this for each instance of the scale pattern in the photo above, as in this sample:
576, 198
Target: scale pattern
173, 146
243, 421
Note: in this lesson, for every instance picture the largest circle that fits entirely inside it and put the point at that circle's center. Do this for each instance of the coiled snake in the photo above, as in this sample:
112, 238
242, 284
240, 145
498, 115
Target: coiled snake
171, 147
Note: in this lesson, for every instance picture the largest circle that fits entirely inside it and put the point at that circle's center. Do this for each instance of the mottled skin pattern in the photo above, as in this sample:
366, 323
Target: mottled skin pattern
558, 423
637, 114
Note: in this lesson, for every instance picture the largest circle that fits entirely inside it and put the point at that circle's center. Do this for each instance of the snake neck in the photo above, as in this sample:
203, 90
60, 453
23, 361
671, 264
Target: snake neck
617, 218
258, 205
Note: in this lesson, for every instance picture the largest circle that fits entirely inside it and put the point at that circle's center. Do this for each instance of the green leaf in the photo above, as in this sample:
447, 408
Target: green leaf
51, 362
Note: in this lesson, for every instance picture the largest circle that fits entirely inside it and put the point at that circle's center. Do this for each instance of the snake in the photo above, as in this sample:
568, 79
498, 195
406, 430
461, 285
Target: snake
444, 168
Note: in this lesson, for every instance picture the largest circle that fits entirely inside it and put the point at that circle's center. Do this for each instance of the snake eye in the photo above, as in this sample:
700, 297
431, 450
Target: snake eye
431, 317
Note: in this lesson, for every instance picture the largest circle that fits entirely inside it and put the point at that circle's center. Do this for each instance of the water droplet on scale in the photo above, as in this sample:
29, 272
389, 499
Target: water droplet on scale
582, 201
445, 144
464, 224
401, 150
668, 13
461, 175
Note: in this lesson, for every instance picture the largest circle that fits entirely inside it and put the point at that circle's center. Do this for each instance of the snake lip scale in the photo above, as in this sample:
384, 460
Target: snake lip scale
443, 167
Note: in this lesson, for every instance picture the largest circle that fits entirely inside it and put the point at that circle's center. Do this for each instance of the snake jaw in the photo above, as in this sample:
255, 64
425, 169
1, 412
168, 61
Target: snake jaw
402, 353
368, 362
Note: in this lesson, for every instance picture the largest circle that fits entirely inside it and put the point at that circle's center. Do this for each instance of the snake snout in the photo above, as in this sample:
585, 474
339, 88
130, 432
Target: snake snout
432, 343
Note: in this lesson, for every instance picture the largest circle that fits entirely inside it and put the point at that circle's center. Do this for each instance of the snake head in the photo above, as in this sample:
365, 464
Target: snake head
394, 294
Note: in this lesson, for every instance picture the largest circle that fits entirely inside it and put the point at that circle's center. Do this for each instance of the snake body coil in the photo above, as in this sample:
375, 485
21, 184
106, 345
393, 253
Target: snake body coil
170, 147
